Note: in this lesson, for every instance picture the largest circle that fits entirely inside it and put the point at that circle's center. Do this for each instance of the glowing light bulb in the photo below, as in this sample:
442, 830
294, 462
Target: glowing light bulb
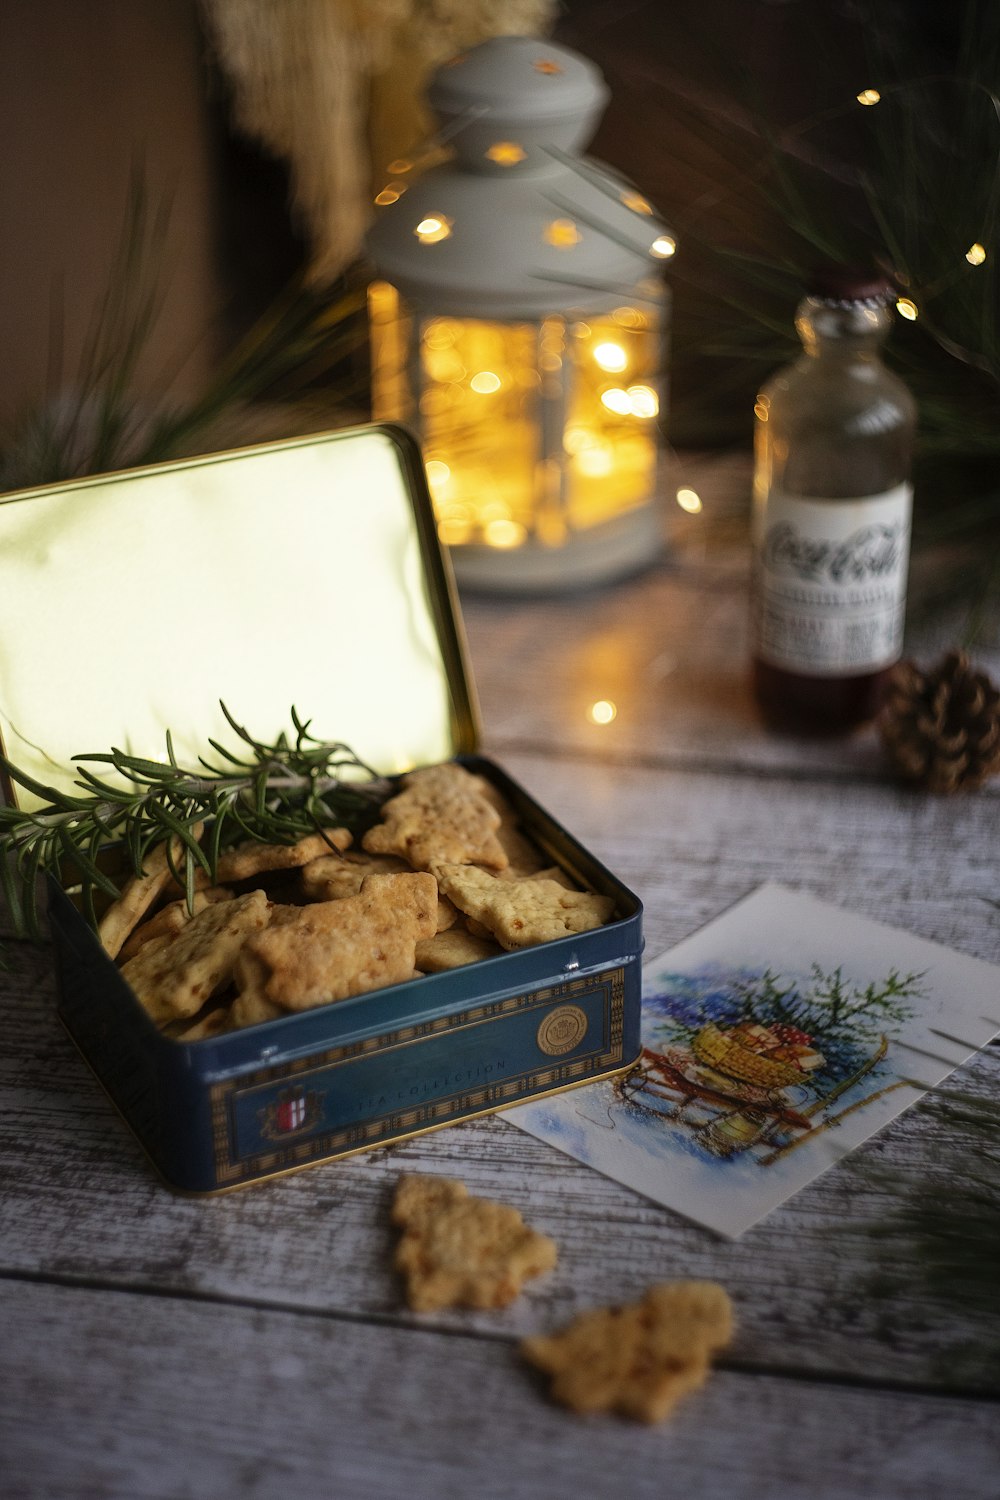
506, 153
663, 246
440, 334
576, 439
690, 501
503, 533
869, 96
596, 462
444, 365
391, 193
645, 402
907, 309
433, 229
543, 65
485, 382
438, 473
562, 233
611, 357
454, 530
602, 712
618, 401
975, 254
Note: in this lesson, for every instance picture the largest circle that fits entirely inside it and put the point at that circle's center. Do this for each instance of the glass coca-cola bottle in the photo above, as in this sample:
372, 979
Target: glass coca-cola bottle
831, 519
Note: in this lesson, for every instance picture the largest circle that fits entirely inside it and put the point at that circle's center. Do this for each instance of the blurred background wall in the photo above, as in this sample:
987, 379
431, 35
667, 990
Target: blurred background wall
88, 93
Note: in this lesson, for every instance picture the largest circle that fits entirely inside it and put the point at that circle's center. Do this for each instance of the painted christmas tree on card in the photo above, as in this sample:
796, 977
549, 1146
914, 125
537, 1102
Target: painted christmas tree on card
774, 1041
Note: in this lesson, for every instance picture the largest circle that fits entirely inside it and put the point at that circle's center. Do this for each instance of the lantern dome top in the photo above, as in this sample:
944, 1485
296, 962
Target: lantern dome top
517, 90
518, 78
516, 224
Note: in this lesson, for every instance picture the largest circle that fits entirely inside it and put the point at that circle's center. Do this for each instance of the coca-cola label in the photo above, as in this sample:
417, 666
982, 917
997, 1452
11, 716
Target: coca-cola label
829, 590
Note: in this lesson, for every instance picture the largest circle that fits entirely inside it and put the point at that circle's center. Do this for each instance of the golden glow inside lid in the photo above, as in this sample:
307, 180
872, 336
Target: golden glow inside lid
301, 574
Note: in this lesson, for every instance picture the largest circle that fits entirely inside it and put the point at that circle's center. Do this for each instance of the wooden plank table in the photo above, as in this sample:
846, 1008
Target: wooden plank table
256, 1345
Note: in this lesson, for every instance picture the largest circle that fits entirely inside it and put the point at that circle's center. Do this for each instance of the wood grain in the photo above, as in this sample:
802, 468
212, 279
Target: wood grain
257, 1343
671, 650
266, 1404
83, 1207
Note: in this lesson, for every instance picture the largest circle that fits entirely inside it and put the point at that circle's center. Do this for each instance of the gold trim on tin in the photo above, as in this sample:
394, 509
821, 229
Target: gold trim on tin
252, 1182
464, 1103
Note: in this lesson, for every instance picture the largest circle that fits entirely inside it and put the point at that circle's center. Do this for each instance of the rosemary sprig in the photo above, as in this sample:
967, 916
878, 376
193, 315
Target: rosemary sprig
272, 792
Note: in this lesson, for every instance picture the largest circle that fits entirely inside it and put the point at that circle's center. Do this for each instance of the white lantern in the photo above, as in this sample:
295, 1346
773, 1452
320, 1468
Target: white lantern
518, 325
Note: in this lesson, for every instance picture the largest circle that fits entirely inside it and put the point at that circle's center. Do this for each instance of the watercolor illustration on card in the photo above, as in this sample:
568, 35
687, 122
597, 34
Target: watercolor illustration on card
747, 1060
774, 1041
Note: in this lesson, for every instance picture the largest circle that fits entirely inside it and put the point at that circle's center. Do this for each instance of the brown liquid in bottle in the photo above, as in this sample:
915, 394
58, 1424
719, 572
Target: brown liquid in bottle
799, 704
833, 446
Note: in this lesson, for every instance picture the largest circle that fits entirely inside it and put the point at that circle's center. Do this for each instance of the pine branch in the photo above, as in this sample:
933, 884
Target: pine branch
276, 793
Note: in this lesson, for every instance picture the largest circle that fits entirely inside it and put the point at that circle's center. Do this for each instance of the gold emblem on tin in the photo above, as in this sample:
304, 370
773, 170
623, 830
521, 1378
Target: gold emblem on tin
561, 1030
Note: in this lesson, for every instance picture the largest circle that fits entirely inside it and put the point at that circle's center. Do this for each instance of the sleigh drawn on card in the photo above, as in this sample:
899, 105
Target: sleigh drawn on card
747, 1088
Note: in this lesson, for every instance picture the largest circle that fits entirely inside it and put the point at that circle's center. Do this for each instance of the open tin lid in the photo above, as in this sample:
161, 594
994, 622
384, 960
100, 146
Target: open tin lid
303, 574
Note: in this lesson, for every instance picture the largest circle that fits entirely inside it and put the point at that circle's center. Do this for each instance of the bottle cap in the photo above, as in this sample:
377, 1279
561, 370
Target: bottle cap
845, 285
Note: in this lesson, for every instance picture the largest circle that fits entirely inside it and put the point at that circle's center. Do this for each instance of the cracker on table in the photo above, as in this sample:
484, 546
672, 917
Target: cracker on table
140, 893
169, 920
453, 948
520, 913
441, 815
177, 978
461, 1251
331, 950
331, 877
637, 1360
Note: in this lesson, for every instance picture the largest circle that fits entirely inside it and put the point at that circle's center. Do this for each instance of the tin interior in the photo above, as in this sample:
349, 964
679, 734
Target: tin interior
304, 574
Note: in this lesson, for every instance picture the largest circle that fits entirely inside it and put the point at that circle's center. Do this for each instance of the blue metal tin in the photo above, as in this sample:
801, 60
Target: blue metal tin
276, 1097
304, 574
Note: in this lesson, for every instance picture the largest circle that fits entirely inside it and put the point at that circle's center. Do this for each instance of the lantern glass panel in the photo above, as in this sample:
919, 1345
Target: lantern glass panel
610, 435
531, 430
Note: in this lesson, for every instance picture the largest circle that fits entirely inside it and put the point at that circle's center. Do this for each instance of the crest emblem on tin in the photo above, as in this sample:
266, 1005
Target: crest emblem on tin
561, 1030
293, 1111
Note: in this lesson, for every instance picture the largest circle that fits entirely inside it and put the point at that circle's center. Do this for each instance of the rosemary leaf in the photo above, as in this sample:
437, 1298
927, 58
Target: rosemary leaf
275, 793
49, 794
11, 886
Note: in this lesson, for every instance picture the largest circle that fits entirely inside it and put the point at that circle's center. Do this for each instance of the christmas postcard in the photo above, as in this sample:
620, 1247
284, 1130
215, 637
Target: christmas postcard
775, 1040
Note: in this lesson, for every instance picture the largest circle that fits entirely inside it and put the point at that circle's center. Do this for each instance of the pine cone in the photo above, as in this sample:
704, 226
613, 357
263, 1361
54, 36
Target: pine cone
941, 728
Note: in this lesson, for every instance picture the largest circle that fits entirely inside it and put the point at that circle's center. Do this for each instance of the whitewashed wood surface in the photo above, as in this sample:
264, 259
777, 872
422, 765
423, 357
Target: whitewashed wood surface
256, 1345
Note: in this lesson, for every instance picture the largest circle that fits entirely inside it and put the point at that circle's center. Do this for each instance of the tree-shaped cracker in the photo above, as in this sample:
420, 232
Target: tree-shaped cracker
461, 1251
639, 1359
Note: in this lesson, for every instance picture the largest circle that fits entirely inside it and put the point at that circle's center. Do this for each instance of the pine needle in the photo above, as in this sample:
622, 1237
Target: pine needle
276, 793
